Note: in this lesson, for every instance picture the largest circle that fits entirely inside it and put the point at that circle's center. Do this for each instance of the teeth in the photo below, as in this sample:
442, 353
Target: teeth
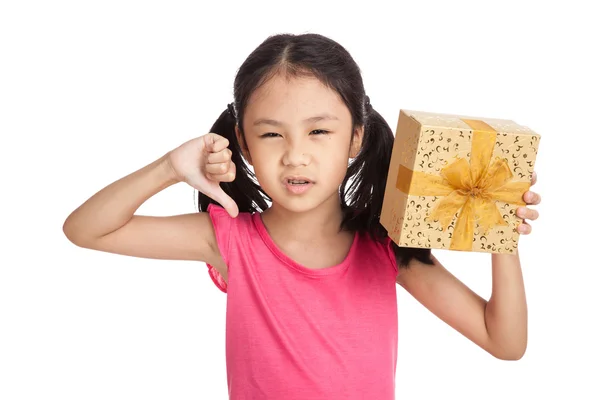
296, 182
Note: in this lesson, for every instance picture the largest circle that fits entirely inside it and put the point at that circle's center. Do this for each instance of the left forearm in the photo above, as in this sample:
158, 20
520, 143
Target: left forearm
506, 311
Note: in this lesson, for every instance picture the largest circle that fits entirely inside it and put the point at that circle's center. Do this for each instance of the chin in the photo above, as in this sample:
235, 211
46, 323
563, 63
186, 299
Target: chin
298, 206
302, 203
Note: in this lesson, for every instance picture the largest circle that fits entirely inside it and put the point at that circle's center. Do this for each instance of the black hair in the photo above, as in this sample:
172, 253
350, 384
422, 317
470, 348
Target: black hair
314, 55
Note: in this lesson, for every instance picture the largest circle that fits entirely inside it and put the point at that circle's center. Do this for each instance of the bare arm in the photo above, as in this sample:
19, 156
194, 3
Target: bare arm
506, 311
498, 326
106, 221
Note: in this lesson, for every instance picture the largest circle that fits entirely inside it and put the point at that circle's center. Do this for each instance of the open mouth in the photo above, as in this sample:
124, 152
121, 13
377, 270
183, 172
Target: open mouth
297, 182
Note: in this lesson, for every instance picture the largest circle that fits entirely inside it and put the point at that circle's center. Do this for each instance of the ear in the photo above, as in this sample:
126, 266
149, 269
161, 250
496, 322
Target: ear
357, 140
242, 142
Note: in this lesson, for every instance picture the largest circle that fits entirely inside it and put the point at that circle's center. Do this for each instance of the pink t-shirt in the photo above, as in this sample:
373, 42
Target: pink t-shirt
298, 333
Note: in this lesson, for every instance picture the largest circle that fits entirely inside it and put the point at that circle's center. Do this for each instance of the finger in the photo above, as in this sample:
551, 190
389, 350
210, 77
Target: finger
214, 143
533, 178
218, 169
524, 228
222, 178
229, 176
222, 156
528, 213
532, 198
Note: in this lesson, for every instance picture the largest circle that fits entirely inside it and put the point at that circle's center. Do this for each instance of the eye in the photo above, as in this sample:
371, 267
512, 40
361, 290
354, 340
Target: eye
269, 135
321, 131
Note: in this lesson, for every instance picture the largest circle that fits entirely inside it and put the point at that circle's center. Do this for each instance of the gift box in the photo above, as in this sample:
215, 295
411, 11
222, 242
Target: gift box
455, 182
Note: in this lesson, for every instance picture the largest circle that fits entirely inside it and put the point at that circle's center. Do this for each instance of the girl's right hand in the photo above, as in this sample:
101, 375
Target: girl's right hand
202, 163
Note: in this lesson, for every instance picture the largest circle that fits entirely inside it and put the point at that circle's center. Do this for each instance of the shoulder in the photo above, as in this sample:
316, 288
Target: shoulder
220, 217
227, 233
378, 250
228, 230
226, 227
401, 258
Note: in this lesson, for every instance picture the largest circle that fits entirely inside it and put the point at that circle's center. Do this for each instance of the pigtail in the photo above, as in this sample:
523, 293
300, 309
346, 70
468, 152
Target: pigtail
244, 190
363, 200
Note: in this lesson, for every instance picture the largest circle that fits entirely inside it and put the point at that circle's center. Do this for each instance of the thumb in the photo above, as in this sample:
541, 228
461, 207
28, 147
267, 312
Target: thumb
218, 194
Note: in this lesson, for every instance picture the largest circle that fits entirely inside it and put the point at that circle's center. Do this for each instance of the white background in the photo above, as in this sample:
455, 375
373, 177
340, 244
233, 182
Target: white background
91, 91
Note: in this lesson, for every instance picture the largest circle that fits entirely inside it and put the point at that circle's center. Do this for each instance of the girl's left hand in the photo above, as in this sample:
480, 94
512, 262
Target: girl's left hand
530, 198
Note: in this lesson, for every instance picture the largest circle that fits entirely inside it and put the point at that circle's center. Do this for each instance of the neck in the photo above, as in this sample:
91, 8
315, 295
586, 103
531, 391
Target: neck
322, 221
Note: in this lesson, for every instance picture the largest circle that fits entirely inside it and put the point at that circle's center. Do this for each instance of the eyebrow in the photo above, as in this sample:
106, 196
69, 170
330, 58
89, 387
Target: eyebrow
322, 117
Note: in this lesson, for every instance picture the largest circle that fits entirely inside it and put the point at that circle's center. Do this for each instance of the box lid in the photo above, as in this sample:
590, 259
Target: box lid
431, 119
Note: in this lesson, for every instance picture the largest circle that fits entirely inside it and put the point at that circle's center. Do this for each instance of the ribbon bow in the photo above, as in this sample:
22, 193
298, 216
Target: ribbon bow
471, 188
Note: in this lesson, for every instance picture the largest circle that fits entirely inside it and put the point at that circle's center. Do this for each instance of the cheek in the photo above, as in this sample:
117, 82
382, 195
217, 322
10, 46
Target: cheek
263, 161
334, 164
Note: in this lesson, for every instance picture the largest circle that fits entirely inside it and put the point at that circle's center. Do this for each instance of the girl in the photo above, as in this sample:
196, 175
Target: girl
310, 279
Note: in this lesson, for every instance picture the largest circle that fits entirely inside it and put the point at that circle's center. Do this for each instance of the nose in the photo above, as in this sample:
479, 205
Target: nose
296, 154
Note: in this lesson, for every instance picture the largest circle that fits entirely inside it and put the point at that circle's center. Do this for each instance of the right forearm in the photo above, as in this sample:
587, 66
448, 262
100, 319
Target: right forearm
112, 207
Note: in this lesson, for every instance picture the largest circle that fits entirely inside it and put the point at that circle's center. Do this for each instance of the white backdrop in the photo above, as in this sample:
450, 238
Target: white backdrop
91, 91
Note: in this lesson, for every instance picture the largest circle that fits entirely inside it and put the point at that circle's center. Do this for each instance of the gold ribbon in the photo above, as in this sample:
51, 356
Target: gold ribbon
471, 188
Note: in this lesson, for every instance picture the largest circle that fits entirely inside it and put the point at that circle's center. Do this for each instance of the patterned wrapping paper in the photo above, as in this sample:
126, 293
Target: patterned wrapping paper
455, 182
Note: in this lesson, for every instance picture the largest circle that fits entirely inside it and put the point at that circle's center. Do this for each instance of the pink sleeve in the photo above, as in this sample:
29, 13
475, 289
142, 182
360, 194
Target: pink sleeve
222, 224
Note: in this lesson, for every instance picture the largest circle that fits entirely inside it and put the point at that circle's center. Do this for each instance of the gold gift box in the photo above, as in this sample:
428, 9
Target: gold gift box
455, 182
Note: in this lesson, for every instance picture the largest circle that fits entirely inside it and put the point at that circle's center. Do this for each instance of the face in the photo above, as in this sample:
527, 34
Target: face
299, 138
